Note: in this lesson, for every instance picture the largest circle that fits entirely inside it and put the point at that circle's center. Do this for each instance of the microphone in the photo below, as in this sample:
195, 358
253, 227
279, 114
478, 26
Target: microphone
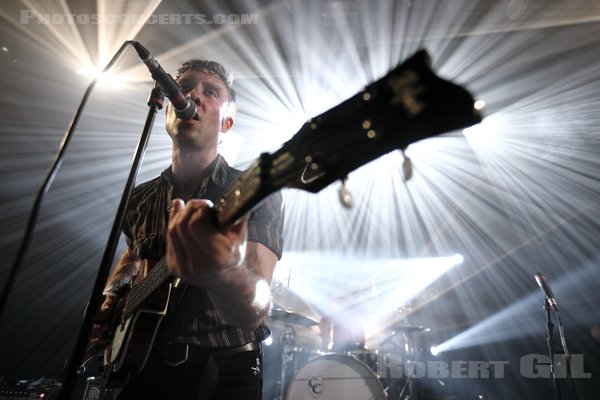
184, 108
541, 281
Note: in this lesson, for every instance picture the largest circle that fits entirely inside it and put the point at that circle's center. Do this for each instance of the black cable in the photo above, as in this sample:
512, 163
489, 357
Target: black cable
60, 154
549, 340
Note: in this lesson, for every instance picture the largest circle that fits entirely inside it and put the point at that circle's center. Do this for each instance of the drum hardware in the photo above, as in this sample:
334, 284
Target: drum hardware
292, 357
334, 377
390, 365
411, 328
400, 361
290, 352
383, 374
407, 333
291, 317
367, 357
288, 340
408, 384
345, 374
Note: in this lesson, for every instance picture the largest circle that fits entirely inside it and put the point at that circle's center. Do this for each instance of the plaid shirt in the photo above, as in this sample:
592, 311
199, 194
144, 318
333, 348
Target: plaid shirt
194, 319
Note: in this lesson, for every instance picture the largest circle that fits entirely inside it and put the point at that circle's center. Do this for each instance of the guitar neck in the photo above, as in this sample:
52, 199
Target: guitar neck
247, 192
409, 104
157, 276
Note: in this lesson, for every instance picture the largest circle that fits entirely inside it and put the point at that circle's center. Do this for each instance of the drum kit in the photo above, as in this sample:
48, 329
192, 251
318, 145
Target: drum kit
355, 372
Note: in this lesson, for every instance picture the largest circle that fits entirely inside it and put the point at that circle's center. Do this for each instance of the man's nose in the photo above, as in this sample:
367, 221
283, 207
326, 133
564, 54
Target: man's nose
194, 98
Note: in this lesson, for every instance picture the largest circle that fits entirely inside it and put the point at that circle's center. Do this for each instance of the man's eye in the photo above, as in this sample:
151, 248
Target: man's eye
213, 93
186, 87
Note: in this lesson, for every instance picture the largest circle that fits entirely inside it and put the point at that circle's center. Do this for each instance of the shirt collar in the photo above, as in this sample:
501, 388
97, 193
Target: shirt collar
217, 170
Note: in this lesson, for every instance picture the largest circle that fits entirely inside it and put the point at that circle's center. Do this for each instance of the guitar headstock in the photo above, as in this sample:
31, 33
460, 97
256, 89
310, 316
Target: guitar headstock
410, 103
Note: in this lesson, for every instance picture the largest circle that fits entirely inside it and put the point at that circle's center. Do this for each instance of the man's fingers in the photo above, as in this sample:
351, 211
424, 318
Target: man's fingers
196, 211
184, 220
174, 209
110, 300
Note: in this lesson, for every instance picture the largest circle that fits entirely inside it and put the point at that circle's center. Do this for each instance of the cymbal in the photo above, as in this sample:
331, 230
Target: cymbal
291, 317
286, 298
410, 328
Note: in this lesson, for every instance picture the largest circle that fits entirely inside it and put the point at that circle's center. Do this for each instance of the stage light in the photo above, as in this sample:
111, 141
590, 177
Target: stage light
230, 145
104, 79
480, 136
520, 319
363, 291
434, 350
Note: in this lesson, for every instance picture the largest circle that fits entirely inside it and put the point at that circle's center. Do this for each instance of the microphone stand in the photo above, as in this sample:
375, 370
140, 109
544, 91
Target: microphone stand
71, 371
568, 360
549, 340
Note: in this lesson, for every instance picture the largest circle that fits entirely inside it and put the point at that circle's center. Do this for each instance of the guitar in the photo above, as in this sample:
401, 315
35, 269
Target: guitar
409, 104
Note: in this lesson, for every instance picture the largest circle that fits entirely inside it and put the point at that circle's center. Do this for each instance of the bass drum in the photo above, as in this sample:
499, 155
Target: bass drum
335, 377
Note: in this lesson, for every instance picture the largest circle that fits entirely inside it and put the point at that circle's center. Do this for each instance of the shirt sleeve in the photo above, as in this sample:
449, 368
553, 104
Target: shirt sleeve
266, 224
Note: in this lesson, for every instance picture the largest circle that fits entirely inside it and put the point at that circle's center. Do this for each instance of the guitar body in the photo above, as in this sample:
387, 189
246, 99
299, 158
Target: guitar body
134, 337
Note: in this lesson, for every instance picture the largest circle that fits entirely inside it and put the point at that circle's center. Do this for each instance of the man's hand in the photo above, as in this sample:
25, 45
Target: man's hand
235, 274
123, 274
103, 319
198, 252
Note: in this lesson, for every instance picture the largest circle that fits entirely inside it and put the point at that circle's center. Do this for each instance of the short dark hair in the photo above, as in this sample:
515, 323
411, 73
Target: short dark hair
211, 67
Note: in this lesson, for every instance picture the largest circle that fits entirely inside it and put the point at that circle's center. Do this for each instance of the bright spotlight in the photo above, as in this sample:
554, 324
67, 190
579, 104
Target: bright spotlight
434, 350
483, 134
479, 104
457, 259
104, 79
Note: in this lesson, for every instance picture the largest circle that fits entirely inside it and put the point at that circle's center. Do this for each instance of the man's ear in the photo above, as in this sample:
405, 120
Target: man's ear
226, 124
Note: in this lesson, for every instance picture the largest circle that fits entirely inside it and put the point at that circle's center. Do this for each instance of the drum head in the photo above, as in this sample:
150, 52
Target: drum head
335, 377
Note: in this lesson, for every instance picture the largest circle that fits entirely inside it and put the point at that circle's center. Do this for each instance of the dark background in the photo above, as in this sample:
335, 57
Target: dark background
516, 196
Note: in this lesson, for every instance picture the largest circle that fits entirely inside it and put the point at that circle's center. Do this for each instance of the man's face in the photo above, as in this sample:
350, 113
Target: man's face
211, 97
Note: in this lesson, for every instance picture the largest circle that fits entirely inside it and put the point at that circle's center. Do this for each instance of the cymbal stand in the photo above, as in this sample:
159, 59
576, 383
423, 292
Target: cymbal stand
409, 380
288, 340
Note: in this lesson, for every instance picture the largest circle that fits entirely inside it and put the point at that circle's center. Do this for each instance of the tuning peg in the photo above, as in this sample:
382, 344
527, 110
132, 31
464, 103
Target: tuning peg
407, 169
345, 196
